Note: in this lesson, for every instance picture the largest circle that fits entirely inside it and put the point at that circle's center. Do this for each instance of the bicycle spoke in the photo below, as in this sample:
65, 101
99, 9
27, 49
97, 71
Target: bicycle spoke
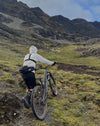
38, 107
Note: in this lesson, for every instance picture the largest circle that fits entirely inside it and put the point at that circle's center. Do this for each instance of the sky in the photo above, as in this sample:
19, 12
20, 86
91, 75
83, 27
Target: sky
86, 9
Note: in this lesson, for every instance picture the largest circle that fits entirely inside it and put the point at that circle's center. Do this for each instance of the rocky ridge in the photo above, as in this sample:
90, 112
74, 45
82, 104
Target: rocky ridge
55, 28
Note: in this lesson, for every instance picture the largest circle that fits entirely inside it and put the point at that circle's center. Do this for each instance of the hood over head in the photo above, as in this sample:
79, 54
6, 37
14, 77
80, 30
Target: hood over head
33, 49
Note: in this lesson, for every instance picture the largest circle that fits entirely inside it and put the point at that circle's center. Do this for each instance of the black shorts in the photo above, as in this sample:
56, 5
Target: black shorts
29, 79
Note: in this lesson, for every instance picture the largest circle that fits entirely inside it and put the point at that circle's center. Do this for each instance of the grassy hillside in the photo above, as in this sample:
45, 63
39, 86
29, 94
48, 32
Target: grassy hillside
78, 101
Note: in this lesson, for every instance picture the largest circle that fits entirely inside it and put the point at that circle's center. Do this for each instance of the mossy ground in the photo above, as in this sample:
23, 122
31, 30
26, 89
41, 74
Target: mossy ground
78, 101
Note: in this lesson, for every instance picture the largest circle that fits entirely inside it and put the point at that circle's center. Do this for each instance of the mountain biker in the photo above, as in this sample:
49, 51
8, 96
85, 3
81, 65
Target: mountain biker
28, 75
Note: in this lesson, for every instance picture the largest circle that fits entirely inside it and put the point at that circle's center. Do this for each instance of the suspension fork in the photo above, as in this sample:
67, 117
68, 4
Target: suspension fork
45, 82
48, 78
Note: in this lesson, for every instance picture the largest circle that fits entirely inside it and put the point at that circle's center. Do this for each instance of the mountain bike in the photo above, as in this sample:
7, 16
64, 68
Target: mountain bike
40, 94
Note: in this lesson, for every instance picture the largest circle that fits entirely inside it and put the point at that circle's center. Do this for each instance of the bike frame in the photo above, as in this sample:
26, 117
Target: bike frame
45, 79
40, 94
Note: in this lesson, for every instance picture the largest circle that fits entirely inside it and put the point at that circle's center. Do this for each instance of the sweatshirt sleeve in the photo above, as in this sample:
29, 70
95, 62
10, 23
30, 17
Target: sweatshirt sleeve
44, 60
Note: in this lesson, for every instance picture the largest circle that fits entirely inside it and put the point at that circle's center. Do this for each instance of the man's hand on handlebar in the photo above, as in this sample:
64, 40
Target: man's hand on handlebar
53, 64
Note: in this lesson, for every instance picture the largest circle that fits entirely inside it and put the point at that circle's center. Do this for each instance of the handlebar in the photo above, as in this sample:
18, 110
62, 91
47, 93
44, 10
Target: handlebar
45, 66
42, 68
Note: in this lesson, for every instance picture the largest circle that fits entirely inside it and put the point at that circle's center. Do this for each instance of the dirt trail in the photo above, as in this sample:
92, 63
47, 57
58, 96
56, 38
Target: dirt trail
79, 69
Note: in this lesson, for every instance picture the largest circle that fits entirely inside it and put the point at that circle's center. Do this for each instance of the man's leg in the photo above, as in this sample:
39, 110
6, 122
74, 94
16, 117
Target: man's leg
30, 83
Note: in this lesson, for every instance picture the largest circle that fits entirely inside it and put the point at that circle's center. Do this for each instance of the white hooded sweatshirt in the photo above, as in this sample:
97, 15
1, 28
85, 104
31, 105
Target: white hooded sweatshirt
36, 57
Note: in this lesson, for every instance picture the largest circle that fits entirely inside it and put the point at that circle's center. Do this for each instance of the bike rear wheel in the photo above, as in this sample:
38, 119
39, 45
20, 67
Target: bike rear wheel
53, 85
39, 105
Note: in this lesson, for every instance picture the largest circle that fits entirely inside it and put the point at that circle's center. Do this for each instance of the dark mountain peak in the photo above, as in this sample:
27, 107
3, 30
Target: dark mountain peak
59, 18
37, 11
78, 25
57, 25
29, 15
21, 10
12, 7
96, 24
22, 5
79, 20
65, 23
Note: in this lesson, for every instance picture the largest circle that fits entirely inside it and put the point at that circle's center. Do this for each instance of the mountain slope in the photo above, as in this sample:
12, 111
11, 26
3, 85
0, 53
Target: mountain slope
64, 22
56, 27
86, 28
78, 101
80, 26
22, 11
77, 74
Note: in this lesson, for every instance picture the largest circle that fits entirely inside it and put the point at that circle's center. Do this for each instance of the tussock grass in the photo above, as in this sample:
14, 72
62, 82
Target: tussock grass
77, 103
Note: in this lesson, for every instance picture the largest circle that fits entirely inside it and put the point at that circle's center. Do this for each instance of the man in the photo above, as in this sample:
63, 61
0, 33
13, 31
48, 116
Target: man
30, 61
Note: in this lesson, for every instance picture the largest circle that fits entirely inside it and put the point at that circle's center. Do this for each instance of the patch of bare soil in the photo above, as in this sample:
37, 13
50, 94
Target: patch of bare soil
78, 69
10, 106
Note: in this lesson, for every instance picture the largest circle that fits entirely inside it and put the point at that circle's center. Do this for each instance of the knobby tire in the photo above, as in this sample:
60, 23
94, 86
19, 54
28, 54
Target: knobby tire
39, 107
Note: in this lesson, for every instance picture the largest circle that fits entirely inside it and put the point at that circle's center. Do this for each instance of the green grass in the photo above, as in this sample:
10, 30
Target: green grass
77, 101
69, 55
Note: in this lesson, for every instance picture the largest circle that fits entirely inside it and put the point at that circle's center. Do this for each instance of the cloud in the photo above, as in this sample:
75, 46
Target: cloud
68, 8
96, 1
73, 10
96, 9
93, 6
88, 2
96, 12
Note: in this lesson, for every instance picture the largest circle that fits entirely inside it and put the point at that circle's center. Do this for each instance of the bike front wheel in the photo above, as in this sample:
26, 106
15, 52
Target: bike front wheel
53, 85
39, 104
